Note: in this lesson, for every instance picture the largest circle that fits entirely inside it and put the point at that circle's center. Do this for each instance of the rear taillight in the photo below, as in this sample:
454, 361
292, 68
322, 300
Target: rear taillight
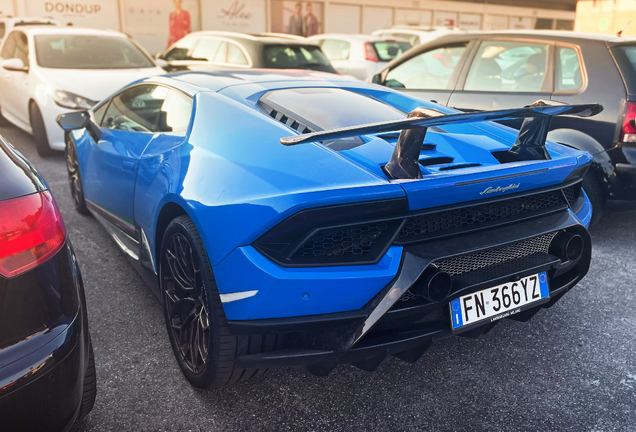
369, 52
31, 232
628, 134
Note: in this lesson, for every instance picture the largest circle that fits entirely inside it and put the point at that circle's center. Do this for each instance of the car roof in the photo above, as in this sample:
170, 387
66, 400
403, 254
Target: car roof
218, 80
545, 34
52, 30
355, 37
269, 38
27, 19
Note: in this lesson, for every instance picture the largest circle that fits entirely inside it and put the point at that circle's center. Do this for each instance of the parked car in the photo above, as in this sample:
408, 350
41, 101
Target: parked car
47, 370
484, 71
360, 56
7, 23
216, 50
278, 231
48, 71
417, 35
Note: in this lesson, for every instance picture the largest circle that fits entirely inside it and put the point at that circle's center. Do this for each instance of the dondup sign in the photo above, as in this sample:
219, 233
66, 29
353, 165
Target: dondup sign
99, 14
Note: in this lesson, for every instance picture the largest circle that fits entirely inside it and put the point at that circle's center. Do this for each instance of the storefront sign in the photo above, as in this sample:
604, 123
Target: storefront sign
100, 14
246, 16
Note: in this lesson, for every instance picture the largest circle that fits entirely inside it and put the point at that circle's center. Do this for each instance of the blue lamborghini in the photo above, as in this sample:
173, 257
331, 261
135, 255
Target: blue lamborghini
305, 219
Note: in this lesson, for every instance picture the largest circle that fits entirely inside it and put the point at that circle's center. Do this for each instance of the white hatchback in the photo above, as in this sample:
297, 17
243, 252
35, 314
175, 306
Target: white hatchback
50, 71
360, 56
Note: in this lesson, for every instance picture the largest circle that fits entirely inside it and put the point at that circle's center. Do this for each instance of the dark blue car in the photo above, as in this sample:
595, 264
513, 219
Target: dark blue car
306, 219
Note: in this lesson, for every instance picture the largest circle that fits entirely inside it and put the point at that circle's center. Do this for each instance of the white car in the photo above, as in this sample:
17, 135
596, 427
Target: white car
48, 71
360, 56
417, 35
7, 23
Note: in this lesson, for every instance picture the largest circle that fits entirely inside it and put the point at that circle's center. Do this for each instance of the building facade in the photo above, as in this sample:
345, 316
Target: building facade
148, 20
606, 16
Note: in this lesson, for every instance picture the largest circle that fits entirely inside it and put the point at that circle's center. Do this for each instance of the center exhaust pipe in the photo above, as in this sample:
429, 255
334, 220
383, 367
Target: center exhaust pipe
567, 246
434, 285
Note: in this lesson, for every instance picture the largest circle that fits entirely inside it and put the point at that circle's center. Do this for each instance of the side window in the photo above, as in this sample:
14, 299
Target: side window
180, 50
206, 49
235, 55
503, 66
99, 113
430, 70
175, 113
336, 49
221, 54
22, 48
136, 109
568, 70
8, 49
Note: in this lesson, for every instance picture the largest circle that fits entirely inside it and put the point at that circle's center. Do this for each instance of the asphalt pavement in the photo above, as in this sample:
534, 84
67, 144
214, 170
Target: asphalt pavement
570, 368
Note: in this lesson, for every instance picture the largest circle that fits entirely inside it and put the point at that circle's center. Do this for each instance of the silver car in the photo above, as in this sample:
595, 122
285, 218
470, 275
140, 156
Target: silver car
360, 56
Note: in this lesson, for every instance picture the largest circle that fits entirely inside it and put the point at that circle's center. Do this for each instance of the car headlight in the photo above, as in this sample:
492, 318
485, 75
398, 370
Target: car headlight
73, 101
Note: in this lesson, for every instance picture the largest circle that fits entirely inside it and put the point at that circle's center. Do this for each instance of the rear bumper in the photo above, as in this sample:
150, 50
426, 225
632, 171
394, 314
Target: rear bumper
390, 324
42, 391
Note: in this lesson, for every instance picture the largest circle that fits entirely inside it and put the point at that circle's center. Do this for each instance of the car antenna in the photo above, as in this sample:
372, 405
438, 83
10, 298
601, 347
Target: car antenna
620, 32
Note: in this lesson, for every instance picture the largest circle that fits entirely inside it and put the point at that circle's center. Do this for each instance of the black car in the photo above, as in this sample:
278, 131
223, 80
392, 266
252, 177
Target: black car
47, 370
487, 71
209, 50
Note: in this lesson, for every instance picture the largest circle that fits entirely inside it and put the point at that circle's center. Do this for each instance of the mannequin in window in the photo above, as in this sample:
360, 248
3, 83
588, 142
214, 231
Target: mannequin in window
180, 24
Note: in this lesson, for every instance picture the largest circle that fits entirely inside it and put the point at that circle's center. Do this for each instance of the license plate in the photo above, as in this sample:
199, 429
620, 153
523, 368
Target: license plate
498, 302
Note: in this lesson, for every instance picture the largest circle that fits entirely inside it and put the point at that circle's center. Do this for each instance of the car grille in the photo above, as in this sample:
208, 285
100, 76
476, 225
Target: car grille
432, 224
475, 261
348, 240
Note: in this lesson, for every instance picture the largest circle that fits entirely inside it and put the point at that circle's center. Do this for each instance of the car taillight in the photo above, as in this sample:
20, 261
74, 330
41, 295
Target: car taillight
369, 52
31, 232
628, 134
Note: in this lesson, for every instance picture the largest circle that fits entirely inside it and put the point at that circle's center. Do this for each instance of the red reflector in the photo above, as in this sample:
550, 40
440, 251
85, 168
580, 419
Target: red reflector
31, 232
629, 128
369, 52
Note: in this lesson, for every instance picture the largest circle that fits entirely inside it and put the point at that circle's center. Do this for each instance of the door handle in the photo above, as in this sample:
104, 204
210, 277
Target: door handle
128, 166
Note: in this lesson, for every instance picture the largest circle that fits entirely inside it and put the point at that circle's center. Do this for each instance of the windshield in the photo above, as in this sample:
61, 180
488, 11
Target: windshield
296, 57
388, 50
89, 52
329, 108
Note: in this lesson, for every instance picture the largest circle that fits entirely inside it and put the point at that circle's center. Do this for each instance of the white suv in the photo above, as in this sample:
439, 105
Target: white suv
7, 23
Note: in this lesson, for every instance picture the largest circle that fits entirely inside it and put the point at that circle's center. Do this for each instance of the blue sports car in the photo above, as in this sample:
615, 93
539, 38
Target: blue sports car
306, 219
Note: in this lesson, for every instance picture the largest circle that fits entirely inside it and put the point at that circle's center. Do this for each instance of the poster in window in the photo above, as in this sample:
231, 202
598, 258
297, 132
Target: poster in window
246, 16
296, 18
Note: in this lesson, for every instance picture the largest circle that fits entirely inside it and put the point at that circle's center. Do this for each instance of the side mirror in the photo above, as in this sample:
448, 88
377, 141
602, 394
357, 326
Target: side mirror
159, 56
377, 79
79, 120
15, 64
162, 63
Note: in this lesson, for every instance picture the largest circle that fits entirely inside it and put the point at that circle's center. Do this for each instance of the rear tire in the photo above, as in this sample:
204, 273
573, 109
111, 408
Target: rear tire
90, 386
75, 177
595, 192
195, 320
39, 131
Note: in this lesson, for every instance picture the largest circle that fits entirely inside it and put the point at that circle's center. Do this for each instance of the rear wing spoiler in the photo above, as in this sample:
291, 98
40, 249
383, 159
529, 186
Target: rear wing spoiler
529, 145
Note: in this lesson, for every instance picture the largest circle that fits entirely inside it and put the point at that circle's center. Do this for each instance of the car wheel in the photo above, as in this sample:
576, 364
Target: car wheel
90, 386
39, 131
75, 177
594, 189
196, 323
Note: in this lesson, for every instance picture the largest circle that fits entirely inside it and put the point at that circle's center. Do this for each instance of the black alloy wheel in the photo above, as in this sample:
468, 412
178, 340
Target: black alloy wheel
203, 345
185, 303
75, 177
39, 131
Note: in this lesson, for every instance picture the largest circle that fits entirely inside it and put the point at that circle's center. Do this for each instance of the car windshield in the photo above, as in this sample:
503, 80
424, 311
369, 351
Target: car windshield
89, 52
296, 57
327, 108
388, 50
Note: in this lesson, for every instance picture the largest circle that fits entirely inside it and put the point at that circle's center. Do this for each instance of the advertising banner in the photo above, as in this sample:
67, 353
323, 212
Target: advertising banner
99, 14
469, 21
245, 16
413, 17
299, 18
445, 19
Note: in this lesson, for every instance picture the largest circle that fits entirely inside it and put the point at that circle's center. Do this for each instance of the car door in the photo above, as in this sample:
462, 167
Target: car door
14, 85
339, 52
505, 74
431, 74
132, 119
